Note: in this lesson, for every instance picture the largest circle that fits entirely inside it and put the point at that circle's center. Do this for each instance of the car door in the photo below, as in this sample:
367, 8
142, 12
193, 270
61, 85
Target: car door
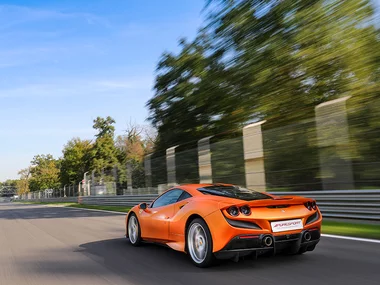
175, 223
181, 202
156, 217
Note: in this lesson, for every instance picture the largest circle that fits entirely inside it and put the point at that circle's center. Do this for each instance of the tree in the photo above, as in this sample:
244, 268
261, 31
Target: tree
76, 160
194, 95
44, 173
132, 148
295, 55
104, 150
255, 60
104, 126
150, 141
9, 182
23, 182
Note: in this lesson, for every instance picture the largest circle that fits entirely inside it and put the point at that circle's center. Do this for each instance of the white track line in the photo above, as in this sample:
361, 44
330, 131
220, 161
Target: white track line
352, 238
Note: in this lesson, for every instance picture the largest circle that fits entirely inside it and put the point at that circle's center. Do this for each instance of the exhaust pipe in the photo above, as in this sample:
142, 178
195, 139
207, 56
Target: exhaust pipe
268, 241
307, 236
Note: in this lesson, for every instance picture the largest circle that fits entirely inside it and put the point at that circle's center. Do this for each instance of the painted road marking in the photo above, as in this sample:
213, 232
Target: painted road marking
352, 238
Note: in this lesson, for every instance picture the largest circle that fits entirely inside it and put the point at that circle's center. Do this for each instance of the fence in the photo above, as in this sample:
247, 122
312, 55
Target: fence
335, 148
344, 204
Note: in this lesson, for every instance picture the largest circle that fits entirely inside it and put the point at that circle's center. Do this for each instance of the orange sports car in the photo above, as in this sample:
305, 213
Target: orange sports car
224, 221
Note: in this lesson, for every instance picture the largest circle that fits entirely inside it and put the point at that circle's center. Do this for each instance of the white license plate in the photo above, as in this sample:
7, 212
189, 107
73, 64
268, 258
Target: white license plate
288, 225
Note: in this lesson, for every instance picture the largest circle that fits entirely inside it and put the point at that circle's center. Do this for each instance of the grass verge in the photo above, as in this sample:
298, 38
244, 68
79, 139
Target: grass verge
351, 229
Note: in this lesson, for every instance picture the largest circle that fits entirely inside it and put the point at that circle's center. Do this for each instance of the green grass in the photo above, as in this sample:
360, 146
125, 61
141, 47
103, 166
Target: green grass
351, 229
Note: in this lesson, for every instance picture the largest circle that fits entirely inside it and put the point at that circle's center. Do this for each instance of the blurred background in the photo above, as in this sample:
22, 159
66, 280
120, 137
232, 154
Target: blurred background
277, 96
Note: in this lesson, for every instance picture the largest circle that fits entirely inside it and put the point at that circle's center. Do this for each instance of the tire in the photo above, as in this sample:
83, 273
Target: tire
134, 230
199, 243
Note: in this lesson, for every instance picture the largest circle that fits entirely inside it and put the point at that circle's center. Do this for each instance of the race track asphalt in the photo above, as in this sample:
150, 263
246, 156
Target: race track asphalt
56, 245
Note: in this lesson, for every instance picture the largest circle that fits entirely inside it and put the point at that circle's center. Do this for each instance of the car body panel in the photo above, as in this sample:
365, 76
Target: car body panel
167, 224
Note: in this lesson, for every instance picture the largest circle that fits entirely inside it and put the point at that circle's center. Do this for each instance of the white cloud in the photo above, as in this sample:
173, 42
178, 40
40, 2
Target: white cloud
134, 83
6, 133
11, 15
82, 88
134, 29
45, 52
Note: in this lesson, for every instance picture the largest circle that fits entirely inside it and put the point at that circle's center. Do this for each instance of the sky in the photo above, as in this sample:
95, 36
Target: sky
63, 63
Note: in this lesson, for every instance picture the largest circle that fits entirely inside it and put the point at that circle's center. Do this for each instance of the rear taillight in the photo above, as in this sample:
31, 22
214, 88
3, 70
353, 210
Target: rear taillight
245, 210
233, 211
311, 205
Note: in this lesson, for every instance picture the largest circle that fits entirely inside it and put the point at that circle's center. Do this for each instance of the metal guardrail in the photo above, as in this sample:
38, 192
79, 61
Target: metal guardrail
122, 200
52, 200
347, 204
343, 204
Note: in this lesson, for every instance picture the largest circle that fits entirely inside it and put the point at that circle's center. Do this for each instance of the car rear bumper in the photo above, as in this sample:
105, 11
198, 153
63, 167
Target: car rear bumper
250, 244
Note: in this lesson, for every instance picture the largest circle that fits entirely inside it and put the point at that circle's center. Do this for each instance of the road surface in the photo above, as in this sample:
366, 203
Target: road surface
55, 245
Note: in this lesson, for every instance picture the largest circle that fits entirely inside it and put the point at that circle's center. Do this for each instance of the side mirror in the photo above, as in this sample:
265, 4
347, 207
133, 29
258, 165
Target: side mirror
143, 206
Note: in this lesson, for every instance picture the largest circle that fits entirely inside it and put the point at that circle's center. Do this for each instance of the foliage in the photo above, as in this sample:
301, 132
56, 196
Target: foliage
104, 155
104, 126
194, 97
75, 161
44, 173
9, 182
132, 148
23, 182
263, 60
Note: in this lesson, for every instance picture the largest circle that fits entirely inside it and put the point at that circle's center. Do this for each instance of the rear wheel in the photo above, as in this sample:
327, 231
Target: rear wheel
199, 243
134, 233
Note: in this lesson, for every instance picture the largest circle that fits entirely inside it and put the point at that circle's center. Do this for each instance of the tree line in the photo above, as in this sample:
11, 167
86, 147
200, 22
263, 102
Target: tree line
104, 154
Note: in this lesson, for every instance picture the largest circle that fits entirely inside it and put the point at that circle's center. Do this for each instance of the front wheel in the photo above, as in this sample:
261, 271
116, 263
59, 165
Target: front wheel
199, 243
134, 234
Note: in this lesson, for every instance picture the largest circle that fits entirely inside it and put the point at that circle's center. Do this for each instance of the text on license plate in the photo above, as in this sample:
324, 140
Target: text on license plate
288, 225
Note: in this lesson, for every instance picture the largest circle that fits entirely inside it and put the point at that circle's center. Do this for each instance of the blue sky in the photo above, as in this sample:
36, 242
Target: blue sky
63, 63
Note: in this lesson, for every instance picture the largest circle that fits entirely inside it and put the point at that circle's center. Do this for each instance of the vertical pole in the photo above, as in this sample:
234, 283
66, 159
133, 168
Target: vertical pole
129, 176
204, 160
333, 141
148, 170
254, 157
171, 166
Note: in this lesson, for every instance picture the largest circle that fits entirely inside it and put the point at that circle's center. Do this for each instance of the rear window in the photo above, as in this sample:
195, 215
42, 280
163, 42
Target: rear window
236, 192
